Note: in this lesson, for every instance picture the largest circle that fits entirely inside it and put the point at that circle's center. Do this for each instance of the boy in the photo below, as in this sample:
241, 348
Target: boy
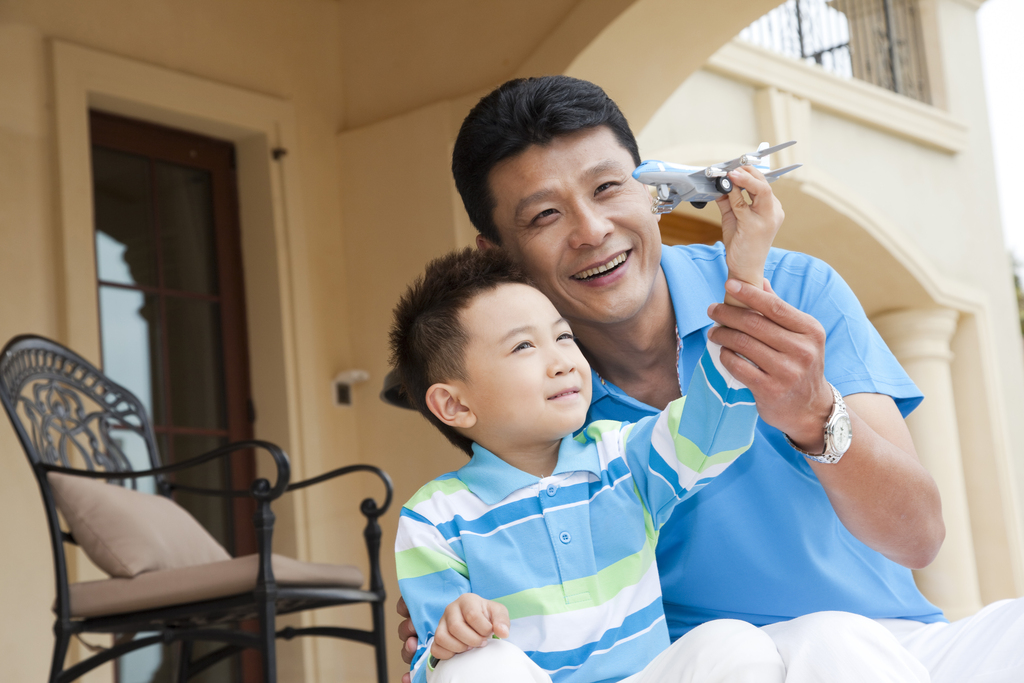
545, 539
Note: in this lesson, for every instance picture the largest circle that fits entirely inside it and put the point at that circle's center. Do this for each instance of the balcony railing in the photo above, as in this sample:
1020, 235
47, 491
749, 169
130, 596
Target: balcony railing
878, 41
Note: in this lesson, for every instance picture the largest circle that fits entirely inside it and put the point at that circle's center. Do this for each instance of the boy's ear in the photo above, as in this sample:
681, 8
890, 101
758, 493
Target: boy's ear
444, 401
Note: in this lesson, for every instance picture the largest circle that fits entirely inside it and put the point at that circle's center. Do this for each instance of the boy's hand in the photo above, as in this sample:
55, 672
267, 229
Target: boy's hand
467, 623
748, 229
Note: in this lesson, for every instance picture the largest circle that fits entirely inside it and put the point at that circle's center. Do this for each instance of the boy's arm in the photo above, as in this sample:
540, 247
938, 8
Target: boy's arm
676, 453
747, 241
431, 576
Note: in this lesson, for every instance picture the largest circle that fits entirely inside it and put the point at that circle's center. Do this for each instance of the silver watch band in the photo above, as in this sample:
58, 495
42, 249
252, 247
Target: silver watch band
827, 456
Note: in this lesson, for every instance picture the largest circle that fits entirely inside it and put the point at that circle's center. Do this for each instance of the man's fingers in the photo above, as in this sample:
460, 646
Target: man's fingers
771, 306
402, 608
406, 629
749, 346
409, 647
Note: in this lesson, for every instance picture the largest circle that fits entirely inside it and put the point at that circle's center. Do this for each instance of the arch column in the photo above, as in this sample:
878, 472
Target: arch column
920, 340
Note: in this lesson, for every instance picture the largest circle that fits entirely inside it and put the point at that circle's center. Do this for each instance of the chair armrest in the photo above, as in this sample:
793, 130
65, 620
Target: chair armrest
369, 506
260, 489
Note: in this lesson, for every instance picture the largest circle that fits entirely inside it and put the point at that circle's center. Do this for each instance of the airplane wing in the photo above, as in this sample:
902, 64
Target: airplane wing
774, 175
752, 157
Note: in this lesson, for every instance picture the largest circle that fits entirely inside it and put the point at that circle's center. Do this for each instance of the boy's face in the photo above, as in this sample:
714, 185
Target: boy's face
570, 207
527, 382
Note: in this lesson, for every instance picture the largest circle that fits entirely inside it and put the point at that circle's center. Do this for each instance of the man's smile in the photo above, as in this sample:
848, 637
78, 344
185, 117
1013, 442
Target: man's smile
603, 268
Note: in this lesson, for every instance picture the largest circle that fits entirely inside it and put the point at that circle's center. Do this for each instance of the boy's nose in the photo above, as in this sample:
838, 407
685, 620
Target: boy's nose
560, 364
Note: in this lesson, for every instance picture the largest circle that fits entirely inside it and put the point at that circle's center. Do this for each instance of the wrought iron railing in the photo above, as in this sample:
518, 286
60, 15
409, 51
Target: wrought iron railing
878, 41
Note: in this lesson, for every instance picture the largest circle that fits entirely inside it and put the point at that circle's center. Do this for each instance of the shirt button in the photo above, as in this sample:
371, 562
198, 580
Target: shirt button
552, 489
564, 537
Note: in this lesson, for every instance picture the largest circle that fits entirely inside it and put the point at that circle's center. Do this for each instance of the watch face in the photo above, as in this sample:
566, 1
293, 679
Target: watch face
842, 434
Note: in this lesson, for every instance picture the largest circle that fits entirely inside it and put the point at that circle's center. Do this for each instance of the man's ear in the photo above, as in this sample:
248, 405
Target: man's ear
444, 401
483, 244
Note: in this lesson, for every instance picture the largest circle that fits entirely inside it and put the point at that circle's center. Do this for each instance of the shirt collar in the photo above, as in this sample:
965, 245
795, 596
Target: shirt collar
492, 479
688, 289
690, 294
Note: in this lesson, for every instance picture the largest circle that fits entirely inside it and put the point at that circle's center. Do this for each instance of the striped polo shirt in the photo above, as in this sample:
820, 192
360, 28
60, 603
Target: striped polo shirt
572, 555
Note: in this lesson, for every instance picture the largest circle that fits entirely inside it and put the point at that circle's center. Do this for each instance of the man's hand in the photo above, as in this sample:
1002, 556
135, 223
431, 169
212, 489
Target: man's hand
748, 228
787, 346
467, 623
407, 633
879, 490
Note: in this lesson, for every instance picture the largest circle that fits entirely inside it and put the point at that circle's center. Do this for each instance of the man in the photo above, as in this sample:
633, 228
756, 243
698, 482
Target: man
807, 522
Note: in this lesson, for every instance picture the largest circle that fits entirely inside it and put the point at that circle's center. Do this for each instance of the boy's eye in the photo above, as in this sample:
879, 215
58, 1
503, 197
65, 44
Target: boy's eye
566, 335
522, 345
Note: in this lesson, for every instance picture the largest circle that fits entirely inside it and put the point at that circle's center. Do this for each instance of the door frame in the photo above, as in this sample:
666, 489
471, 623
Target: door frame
281, 337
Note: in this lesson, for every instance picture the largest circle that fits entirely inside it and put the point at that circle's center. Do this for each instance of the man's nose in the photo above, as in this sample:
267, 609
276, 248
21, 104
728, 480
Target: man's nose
590, 228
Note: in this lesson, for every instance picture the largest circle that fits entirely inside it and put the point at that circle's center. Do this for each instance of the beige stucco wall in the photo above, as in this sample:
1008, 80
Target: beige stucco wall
900, 198
358, 91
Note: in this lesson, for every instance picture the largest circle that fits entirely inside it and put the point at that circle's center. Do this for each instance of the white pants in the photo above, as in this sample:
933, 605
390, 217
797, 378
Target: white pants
985, 648
828, 646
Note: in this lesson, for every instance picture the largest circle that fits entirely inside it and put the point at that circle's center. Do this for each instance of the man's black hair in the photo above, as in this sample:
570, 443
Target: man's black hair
520, 113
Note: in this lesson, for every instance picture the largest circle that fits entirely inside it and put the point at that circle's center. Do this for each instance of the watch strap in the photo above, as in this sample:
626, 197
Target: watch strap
827, 456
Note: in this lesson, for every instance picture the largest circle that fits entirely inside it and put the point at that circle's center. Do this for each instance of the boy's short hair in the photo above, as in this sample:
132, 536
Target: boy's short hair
520, 113
428, 342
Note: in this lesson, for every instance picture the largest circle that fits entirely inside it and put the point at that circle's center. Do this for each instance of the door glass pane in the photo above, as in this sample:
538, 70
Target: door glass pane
130, 328
195, 363
185, 206
125, 247
211, 511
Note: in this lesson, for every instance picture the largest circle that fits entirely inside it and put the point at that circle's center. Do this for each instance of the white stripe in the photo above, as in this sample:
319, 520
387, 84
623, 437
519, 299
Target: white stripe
615, 644
414, 534
721, 400
442, 508
576, 628
496, 529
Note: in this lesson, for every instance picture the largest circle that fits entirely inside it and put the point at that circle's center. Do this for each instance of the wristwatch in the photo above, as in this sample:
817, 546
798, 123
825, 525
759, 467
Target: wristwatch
838, 432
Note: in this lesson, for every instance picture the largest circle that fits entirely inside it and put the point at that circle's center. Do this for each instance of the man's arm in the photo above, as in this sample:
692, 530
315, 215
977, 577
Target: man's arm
879, 490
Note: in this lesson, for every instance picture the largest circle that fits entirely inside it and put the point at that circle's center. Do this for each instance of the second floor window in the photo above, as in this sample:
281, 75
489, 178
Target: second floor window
878, 41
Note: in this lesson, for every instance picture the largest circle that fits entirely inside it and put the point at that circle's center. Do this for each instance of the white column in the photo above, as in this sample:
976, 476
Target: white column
920, 340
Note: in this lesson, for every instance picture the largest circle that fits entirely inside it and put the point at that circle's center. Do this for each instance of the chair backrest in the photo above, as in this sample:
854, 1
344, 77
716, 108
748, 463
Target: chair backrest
68, 413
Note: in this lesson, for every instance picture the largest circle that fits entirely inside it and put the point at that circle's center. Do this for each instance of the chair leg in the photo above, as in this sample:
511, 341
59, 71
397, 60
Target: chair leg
60, 651
268, 650
380, 643
184, 660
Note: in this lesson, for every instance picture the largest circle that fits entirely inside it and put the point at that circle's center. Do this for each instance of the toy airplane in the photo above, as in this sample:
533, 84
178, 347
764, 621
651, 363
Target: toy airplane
700, 184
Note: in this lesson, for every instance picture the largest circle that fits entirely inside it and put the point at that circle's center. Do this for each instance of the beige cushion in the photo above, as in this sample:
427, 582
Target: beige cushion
192, 584
126, 532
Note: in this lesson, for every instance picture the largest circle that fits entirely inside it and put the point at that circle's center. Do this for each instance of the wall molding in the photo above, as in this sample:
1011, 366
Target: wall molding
849, 98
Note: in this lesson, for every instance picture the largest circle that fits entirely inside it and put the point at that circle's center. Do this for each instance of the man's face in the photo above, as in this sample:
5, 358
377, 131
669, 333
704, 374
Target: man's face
571, 208
527, 382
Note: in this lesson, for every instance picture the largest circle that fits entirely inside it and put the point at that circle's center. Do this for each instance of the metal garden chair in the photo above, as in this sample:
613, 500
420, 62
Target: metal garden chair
71, 421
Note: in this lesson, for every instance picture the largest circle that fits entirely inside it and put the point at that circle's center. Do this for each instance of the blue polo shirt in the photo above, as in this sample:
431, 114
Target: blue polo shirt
763, 544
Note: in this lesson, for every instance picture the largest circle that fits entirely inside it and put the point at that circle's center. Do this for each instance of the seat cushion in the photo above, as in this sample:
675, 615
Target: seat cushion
126, 532
206, 582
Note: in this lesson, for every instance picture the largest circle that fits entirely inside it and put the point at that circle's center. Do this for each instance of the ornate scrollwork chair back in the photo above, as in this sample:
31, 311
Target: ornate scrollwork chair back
72, 421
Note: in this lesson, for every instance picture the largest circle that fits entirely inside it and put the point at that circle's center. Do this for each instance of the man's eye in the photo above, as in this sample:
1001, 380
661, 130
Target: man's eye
544, 214
604, 186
